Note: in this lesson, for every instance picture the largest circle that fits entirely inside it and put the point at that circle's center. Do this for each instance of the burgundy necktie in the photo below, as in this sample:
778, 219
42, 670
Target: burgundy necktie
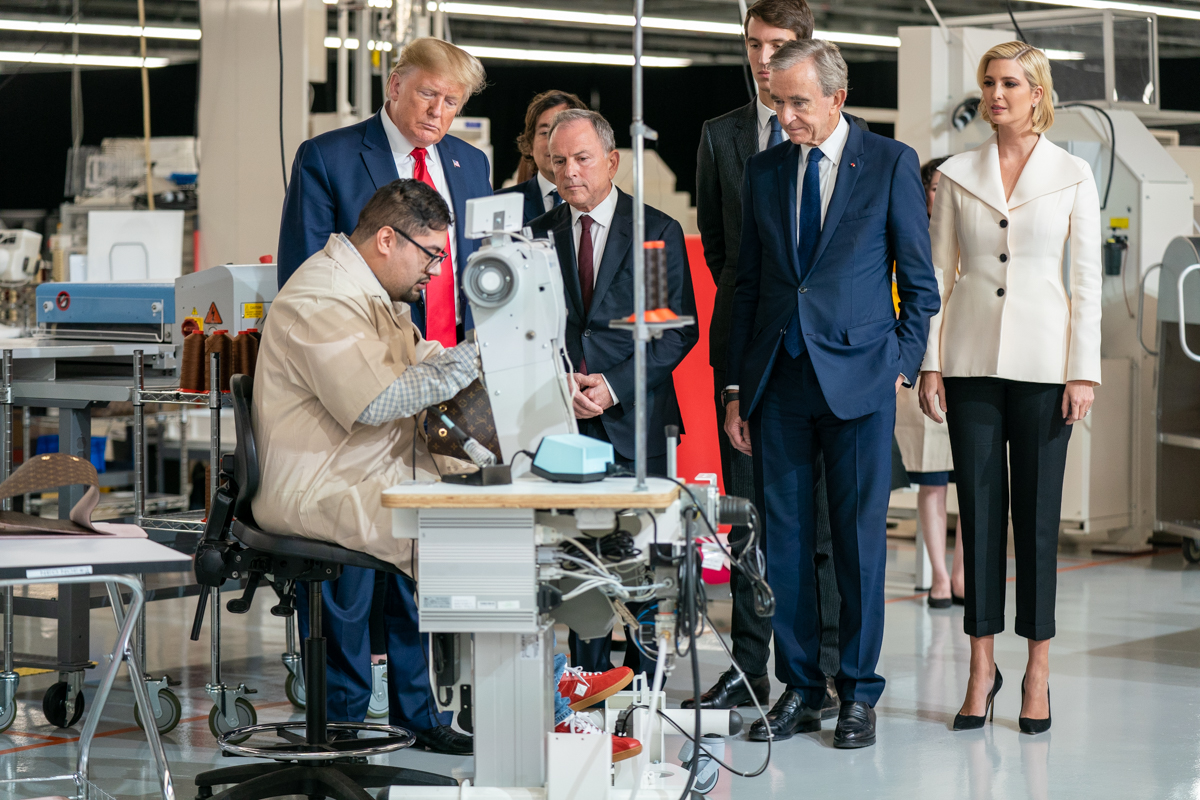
587, 275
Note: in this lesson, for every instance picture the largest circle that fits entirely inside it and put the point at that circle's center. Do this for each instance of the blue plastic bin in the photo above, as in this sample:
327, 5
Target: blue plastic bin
49, 444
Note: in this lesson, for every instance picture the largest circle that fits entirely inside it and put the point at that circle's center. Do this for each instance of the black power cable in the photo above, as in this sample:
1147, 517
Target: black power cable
1112, 145
279, 31
1020, 34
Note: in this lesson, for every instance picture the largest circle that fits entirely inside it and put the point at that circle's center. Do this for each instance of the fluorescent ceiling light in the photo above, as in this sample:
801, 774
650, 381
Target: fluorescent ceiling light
350, 44
627, 21
1140, 8
1064, 55
612, 59
69, 59
97, 29
333, 42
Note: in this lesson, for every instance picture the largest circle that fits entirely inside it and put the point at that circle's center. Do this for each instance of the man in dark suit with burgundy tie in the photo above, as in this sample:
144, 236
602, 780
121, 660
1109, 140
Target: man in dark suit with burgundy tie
593, 234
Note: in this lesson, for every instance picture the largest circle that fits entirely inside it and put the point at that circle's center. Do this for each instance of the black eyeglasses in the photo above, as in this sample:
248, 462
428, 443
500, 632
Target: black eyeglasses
434, 258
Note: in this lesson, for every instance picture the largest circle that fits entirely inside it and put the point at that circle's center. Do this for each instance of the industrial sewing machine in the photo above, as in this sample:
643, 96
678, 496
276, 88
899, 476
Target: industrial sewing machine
505, 563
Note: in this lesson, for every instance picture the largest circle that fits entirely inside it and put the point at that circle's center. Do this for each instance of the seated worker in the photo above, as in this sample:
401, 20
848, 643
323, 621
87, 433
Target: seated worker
593, 234
343, 376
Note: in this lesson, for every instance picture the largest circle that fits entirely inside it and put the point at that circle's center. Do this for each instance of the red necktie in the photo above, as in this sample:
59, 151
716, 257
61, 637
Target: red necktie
440, 322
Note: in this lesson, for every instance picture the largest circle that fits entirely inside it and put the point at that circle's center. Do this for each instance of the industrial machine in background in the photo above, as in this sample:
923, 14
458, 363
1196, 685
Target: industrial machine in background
233, 297
1106, 82
1178, 353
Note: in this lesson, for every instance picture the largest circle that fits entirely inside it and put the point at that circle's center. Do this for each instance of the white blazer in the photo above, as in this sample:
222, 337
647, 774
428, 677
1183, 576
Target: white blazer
1005, 312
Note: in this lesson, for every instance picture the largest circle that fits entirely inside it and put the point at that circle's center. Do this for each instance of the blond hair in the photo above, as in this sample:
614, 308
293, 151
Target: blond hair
444, 60
1037, 72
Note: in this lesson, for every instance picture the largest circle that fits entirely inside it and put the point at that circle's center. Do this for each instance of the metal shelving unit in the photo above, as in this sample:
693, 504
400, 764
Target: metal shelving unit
182, 521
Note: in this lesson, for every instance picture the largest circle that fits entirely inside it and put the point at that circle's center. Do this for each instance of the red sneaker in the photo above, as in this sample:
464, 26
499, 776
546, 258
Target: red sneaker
622, 747
586, 689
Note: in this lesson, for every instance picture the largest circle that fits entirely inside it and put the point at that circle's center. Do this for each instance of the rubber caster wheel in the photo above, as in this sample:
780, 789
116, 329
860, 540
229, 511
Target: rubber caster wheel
172, 712
246, 715
54, 706
10, 714
293, 687
1191, 551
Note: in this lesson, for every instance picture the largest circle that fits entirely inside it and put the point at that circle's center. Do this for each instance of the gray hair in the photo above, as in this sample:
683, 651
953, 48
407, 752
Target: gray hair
826, 58
599, 124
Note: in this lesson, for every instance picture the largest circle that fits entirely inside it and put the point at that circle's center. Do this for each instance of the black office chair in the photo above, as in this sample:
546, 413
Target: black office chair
235, 547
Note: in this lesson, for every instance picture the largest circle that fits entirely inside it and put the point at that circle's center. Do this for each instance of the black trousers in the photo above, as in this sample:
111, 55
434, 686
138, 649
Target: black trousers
985, 415
751, 633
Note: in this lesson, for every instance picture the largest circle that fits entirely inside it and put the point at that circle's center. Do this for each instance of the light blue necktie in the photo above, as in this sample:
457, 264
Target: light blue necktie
776, 132
810, 231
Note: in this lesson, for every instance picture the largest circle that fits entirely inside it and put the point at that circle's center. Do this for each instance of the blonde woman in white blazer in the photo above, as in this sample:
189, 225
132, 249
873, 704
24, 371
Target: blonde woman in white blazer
1012, 358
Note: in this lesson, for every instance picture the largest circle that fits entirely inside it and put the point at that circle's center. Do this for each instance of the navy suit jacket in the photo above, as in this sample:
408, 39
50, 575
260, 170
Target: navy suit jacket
610, 350
335, 174
876, 218
532, 190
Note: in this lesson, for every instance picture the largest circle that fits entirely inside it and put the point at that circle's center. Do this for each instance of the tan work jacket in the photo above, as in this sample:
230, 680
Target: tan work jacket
333, 341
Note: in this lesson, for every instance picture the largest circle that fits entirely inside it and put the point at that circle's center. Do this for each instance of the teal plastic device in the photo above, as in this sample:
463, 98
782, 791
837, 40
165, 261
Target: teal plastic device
573, 458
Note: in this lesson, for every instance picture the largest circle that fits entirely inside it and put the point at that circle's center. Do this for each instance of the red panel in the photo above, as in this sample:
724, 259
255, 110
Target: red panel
699, 451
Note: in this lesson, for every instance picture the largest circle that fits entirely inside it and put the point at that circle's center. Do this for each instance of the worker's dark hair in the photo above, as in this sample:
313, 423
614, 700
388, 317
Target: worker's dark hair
411, 206
792, 15
537, 106
927, 170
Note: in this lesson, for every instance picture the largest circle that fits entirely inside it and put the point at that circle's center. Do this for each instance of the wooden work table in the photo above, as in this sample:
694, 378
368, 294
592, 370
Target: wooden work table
530, 491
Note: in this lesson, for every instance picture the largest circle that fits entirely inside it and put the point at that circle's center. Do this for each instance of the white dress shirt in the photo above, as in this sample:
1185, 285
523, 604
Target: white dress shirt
547, 187
602, 216
405, 163
765, 113
831, 149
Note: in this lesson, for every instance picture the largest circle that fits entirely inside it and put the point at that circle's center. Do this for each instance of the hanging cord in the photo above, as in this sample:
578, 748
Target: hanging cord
145, 103
279, 31
1013, 17
1112, 145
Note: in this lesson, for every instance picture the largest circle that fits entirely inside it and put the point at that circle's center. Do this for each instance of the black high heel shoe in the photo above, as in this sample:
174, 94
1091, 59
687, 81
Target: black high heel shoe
1029, 725
968, 722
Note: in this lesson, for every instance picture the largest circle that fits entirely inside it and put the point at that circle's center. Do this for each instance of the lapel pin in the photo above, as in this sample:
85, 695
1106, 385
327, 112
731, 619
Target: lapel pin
851, 164
455, 163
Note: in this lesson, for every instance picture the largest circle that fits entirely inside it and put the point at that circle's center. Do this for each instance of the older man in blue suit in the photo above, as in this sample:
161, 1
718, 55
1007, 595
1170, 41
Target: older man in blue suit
333, 177
817, 355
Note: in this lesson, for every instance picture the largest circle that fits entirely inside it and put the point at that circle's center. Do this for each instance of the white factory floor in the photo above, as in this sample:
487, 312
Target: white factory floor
1125, 675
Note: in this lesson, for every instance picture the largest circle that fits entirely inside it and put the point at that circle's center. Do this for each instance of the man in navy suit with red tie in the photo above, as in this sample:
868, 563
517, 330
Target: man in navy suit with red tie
333, 177
816, 355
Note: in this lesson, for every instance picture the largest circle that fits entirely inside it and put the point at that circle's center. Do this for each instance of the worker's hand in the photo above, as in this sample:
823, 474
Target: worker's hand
597, 391
737, 429
932, 395
585, 407
1077, 400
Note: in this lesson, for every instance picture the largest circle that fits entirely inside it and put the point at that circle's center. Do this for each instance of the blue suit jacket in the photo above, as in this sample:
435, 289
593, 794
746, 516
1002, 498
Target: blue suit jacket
335, 174
876, 218
609, 350
534, 206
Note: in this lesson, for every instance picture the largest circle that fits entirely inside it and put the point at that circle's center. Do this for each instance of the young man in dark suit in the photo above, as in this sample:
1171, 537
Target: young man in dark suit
333, 177
817, 355
725, 144
541, 195
593, 234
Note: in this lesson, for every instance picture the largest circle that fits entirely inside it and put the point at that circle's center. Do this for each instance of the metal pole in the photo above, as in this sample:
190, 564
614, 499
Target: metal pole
214, 425
184, 475
139, 438
8, 629
26, 444
8, 425
641, 333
